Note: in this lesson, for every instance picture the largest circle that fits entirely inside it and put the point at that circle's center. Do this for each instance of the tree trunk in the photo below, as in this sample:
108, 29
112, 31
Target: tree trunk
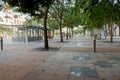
61, 35
46, 46
67, 32
115, 32
60, 25
111, 30
72, 31
84, 31
119, 30
53, 33
105, 31
100, 34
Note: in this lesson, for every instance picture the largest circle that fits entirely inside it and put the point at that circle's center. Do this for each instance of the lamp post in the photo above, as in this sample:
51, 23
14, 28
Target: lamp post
95, 32
95, 43
1, 40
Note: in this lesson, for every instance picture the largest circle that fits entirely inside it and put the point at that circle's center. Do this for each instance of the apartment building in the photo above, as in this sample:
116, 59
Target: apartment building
11, 18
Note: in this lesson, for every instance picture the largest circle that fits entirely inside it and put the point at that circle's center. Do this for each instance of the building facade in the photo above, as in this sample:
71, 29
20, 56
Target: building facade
8, 17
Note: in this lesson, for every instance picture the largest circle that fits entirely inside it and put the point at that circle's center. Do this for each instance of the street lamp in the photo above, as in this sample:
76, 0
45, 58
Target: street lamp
1, 40
95, 32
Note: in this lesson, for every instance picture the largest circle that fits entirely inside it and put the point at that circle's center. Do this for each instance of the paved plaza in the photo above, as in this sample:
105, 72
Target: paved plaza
74, 59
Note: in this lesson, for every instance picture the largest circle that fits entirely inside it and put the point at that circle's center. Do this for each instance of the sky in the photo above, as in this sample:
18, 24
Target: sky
1, 2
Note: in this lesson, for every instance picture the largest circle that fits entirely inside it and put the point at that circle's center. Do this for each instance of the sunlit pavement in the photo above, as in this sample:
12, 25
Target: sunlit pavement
73, 59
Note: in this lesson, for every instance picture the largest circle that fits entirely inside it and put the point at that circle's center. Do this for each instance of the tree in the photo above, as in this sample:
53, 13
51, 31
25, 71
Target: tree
57, 12
71, 21
61, 11
6, 30
67, 18
99, 12
34, 21
52, 23
37, 8
1, 7
112, 11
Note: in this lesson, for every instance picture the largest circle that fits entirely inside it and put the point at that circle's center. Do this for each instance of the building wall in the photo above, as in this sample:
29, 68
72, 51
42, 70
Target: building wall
11, 18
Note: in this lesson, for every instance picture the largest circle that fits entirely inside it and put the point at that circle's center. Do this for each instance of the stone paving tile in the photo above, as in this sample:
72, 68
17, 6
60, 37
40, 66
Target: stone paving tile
116, 75
76, 78
65, 65
89, 78
81, 58
24, 64
90, 65
37, 76
115, 58
98, 56
4, 55
105, 75
60, 77
13, 74
16, 66
83, 72
105, 64
114, 79
48, 71
63, 71
68, 61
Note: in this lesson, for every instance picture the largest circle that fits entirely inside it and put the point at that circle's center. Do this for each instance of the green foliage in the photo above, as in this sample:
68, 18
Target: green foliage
34, 21
0, 7
69, 19
37, 8
79, 31
96, 13
57, 10
52, 23
33, 7
6, 29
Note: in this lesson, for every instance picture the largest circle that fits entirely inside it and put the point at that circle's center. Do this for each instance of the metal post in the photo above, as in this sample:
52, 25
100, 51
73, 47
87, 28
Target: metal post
1, 43
94, 43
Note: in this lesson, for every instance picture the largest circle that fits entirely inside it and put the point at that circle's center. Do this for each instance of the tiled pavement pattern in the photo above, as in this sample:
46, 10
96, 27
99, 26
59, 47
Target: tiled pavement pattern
63, 67
73, 61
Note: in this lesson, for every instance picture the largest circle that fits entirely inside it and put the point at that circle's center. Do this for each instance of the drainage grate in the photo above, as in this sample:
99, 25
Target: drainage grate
83, 72
81, 58
105, 64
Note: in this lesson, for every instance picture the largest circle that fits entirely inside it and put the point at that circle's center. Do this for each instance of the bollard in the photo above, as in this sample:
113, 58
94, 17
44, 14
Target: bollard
94, 46
1, 43
94, 43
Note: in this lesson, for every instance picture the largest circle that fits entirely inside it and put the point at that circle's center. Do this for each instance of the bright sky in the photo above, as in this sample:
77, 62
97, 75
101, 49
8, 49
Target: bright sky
1, 2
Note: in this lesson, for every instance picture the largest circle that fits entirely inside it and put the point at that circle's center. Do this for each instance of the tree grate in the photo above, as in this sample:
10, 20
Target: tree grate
81, 58
83, 72
105, 64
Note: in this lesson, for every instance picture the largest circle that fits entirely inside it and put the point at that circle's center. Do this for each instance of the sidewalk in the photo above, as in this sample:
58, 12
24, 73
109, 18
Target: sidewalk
72, 60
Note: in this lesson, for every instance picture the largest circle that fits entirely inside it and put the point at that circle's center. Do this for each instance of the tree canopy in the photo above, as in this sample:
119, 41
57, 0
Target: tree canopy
33, 7
96, 13
37, 8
